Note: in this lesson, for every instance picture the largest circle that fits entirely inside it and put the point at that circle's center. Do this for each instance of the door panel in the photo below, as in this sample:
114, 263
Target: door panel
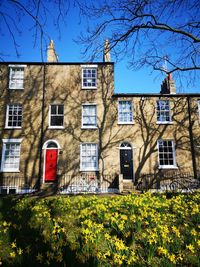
126, 163
51, 165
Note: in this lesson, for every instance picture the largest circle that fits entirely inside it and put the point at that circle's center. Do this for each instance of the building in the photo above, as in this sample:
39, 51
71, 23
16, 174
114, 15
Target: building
62, 123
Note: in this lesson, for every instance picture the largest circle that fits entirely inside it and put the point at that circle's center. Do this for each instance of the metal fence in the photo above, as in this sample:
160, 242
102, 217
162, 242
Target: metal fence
14, 185
169, 181
69, 184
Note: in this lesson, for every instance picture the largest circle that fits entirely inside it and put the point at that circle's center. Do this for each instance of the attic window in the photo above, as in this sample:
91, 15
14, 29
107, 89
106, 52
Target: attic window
89, 77
16, 77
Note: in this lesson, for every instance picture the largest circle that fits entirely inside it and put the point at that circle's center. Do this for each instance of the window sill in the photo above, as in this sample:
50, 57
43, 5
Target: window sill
126, 123
168, 167
89, 88
89, 170
10, 128
56, 127
164, 122
10, 170
15, 88
89, 127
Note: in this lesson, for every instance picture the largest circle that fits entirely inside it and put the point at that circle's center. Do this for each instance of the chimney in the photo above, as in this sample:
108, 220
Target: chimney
106, 52
168, 85
51, 53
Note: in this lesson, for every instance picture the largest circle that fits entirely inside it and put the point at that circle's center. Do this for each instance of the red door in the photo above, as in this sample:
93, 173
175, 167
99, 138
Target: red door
51, 165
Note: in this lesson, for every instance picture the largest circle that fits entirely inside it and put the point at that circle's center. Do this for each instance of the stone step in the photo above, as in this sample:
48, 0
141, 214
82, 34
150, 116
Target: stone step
128, 186
48, 189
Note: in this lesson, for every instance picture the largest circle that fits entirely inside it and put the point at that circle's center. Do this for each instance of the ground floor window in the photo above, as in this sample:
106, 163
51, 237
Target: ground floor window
166, 154
10, 155
89, 157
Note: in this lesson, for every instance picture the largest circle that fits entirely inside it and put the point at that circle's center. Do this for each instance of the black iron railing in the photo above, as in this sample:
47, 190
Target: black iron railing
84, 183
169, 181
13, 184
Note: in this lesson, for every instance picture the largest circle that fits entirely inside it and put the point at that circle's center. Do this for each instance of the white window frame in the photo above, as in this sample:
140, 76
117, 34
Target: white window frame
55, 126
89, 126
7, 116
88, 67
5, 142
164, 111
198, 103
125, 122
81, 158
164, 166
14, 85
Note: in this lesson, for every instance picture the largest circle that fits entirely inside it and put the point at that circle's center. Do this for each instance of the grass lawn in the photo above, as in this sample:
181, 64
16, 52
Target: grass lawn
132, 230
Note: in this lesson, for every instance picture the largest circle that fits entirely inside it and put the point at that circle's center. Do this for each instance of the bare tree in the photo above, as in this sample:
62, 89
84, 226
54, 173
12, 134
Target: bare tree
162, 34
15, 13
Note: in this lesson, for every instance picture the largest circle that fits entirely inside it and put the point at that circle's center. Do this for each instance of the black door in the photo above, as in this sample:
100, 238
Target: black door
126, 163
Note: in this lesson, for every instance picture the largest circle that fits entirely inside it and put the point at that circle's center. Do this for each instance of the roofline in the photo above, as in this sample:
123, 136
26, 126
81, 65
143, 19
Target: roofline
156, 95
54, 63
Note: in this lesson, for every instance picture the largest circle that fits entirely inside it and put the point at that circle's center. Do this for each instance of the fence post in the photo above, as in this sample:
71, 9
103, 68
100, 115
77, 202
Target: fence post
120, 177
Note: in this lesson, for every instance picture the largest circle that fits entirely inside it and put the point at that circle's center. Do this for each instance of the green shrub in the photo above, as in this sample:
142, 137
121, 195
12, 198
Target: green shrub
145, 230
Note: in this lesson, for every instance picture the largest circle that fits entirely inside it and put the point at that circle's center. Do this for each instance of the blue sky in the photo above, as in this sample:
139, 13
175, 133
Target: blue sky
126, 80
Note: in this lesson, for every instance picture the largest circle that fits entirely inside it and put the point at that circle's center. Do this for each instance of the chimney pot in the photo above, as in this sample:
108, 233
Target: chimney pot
51, 53
106, 52
168, 85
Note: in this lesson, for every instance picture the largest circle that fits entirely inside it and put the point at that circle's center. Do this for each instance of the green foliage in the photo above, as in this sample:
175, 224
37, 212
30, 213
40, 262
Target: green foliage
145, 230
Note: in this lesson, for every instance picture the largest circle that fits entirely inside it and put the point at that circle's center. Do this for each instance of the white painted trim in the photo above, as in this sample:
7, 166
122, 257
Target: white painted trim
88, 104
13, 127
17, 66
89, 87
91, 169
122, 122
56, 127
174, 156
12, 140
10, 72
126, 123
88, 127
170, 112
88, 66
7, 114
171, 167
120, 147
5, 141
164, 122
49, 141
198, 103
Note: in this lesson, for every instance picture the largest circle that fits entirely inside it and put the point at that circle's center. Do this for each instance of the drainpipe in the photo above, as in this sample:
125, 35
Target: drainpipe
42, 127
191, 139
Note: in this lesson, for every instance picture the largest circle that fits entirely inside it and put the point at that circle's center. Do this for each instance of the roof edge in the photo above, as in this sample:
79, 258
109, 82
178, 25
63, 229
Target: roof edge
156, 95
55, 63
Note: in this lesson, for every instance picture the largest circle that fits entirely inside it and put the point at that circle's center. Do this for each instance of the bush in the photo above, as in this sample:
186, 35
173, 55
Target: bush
145, 230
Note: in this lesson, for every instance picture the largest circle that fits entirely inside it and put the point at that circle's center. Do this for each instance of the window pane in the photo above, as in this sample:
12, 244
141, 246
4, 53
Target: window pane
60, 109
53, 109
166, 153
89, 77
89, 115
57, 115
163, 111
14, 116
89, 156
11, 156
16, 78
125, 111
